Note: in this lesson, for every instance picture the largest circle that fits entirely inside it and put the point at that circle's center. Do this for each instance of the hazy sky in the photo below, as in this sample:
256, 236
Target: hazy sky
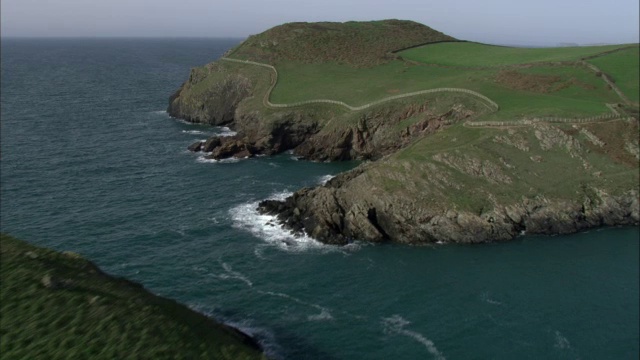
534, 22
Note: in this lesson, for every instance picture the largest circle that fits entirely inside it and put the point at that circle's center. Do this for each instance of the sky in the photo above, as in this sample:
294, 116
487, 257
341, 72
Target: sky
512, 22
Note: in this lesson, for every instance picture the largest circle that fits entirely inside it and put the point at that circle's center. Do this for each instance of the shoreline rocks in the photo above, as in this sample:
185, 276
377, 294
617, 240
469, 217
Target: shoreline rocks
329, 216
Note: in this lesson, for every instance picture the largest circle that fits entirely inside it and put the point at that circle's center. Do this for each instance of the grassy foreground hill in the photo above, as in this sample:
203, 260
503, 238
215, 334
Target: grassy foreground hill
61, 306
471, 142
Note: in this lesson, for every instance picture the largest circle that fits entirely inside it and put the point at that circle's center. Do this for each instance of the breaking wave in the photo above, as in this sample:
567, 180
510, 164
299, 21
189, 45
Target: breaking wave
325, 178
204, 160
267, 228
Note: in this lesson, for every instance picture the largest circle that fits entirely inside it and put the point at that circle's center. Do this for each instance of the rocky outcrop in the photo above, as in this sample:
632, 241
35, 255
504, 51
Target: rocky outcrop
217, 104
258, 137
379, 132
338, 213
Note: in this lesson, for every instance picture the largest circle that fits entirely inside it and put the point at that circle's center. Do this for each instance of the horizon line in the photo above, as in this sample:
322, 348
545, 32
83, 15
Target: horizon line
2, 37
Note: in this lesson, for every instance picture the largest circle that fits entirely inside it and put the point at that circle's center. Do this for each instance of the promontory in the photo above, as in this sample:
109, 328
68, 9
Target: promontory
459, 141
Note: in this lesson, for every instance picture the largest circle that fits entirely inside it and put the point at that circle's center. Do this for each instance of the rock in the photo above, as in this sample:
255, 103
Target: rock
211, 144
215, 106
228, 148
195, 147
345, 210
31, 255
243, 154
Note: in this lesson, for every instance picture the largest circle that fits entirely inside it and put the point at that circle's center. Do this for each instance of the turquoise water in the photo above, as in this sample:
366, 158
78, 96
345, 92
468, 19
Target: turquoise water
91, 163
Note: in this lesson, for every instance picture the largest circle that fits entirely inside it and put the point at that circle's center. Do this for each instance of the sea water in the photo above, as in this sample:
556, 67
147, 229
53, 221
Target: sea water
92, 163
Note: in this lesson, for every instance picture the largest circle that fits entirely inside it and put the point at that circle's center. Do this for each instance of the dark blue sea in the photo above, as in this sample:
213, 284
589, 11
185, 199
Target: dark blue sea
92, 163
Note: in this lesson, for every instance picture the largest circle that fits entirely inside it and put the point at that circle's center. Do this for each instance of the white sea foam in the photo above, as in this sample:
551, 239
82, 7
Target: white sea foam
193, 132
258, 251
200, 269
561, 341
486, 298
324, 314
236, 275
230, 274
225, 131
396, 324
325, 178
264, 336
183, 121
204, 160
266, 227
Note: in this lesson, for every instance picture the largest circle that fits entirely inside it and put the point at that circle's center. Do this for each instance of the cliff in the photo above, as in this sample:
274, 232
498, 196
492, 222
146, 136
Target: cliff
460, 149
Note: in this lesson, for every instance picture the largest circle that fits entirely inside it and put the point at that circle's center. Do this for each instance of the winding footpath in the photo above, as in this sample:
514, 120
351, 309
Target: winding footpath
492, 105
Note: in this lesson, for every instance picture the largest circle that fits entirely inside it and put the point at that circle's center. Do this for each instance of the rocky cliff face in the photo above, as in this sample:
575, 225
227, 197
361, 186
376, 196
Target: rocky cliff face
500, 184
379, 132
226, 101
375, 133
217, 104
343, 210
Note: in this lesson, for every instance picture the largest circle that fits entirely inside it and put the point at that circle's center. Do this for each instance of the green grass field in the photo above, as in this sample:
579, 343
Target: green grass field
624, 69
309, 69
481, 55
89, 315
577, 91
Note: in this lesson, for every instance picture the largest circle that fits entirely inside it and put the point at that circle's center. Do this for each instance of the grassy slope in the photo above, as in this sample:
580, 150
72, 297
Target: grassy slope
560, 173
350, 62
476, 55
576, 91
624, 68
95, 316
354, 43
359, 86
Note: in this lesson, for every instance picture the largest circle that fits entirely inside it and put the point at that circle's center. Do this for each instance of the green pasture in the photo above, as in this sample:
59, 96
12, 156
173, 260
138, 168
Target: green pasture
624, 68
579, 91
469, 54
575, 91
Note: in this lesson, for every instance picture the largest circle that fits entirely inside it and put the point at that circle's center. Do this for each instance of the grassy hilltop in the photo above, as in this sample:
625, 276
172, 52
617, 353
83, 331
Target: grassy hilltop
60, 306
352, 43
474, 142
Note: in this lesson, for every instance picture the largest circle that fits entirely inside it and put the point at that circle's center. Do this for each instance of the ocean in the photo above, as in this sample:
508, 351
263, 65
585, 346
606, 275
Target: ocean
92, 163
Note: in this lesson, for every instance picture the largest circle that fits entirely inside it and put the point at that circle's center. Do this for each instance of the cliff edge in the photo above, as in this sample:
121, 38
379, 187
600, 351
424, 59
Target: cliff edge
462, 142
